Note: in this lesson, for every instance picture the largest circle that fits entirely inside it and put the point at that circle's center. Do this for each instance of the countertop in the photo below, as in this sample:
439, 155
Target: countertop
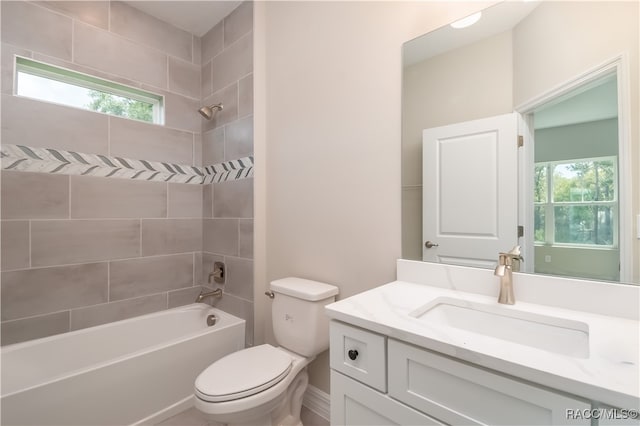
610, 373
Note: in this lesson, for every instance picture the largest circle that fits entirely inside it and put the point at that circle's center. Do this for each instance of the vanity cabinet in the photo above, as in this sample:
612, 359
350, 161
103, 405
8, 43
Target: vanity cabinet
420, 386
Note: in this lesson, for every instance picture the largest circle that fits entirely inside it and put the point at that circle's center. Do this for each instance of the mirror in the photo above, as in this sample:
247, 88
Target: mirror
571, 75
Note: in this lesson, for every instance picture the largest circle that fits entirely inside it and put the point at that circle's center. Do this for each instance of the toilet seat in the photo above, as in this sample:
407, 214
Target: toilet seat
243, 373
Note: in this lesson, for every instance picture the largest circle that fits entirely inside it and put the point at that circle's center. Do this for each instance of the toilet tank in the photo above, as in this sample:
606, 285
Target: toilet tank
299, 321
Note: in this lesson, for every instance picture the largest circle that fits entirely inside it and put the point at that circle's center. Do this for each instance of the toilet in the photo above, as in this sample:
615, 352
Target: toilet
264, 385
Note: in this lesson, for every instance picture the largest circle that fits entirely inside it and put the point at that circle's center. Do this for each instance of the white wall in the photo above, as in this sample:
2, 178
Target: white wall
327, 142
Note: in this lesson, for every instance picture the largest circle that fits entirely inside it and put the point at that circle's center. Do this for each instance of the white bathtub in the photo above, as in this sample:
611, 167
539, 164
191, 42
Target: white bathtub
139, 370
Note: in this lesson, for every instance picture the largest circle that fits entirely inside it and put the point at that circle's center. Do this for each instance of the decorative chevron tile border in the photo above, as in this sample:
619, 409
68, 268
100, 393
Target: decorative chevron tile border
49, 160
231, 170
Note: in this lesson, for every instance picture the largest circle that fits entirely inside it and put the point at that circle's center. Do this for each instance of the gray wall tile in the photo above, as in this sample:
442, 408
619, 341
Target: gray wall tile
14, 249
239, 277
240, 308
149, 275
229, 98
184, 78
136, 25
167, 236
53, 35
116, 311
233, 63
197, 149
197, 268
205, 82
233, 198
185, 200
213, 146
98, 197
185, 296
28, 195
76, 241
91, 12
238, 23
197, 50
245, 96
34, 327
207, 201
39, 291
213, 42
107, 52
41, 124
182, 112
220, 236
245, 243
238, 138
144, 141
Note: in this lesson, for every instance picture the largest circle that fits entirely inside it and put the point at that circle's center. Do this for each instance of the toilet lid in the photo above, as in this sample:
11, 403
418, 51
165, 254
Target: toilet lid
243, 373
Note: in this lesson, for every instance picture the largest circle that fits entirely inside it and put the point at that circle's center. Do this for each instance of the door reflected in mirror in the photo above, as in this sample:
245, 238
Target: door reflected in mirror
558, 64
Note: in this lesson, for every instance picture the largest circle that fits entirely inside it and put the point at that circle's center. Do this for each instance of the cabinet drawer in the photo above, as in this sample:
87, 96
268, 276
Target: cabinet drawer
353, 403
458, 393
359, 354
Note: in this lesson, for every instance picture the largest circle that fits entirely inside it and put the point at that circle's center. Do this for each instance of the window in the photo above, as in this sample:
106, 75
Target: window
48, 83
576, 202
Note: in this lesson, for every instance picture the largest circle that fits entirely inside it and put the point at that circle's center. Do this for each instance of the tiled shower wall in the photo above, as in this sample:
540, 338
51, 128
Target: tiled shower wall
78, 251
227, 77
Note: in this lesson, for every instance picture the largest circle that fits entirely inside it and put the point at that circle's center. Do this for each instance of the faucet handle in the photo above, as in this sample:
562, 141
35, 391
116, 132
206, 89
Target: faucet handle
514, 254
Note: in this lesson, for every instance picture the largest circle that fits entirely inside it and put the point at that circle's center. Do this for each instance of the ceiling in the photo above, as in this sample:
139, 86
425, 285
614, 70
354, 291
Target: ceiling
196, 17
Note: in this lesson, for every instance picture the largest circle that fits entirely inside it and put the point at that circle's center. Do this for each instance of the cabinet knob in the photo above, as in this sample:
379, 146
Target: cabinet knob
353, 354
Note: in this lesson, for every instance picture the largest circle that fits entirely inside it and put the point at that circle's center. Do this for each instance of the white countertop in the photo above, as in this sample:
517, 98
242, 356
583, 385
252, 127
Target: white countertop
610, 374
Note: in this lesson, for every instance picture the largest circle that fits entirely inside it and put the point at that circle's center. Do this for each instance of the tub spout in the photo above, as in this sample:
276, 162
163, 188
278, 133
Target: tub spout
217, 293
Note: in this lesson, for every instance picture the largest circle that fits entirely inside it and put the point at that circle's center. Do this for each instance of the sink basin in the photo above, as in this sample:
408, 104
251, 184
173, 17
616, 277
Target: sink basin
553, 334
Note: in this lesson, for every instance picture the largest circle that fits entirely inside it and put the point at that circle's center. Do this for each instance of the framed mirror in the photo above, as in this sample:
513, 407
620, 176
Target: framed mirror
566, 191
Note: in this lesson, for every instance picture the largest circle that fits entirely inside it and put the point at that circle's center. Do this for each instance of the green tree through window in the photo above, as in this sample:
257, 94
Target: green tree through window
122, 107
576, 202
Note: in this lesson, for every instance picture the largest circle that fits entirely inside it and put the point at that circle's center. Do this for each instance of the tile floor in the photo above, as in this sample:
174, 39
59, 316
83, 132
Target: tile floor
192, 417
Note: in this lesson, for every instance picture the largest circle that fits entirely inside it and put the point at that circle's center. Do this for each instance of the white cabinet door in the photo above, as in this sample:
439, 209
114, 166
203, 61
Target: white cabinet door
470, 190
353, 403
458, 393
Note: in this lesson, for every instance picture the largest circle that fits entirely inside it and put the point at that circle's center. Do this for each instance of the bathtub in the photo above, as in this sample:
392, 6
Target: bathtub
136, 371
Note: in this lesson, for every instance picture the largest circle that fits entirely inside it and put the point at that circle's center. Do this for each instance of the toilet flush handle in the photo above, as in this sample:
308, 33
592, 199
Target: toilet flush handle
270, 294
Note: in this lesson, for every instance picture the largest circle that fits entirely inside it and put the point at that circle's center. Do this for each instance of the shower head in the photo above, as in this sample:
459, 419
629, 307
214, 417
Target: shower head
208, 111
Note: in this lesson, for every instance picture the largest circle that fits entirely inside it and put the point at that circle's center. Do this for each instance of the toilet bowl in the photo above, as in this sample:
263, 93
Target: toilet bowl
264, 385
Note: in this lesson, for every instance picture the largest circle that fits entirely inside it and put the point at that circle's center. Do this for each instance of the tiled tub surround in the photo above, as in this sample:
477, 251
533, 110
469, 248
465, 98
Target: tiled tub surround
227, 77
78, 251
84, 250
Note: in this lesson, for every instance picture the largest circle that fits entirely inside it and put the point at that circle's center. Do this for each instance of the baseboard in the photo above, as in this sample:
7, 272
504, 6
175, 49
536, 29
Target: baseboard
317, 401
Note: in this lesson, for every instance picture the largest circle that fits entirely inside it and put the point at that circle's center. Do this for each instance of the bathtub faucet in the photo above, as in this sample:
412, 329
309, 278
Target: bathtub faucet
504, 271
217, 293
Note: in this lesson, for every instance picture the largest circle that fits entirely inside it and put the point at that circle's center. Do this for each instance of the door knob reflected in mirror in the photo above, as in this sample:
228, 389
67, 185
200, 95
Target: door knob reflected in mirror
430, 244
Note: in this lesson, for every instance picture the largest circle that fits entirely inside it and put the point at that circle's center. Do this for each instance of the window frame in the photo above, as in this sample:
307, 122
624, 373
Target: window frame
550, 204
78, 79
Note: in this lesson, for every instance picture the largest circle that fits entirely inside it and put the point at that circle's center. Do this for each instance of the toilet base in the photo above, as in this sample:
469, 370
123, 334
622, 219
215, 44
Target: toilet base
284, 410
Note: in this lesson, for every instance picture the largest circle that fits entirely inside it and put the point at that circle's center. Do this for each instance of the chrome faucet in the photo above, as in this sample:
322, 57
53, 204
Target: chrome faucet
217, 293
504, 270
